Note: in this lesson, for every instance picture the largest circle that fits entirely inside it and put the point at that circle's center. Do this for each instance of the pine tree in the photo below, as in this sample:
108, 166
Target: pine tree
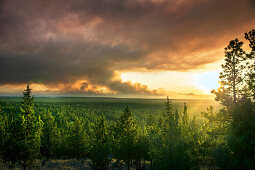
167, 145
232, 75
126, 137
49, 132
185, 117
3, 123
27, 105
241, 139
24, 134
100, 149
78, 140
142, 149
169, 110
250, 36
238, 151
235, 148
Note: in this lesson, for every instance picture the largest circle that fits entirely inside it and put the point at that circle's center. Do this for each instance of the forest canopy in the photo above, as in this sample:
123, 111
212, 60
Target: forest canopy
32, 132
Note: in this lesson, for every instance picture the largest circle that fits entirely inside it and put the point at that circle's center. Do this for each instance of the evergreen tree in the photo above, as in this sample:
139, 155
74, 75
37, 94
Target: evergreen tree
232, 75
62, 135
24, 134
100, 149
142, 149
78, 140
27, 105
250, 36
241, 139
167, 145
125, 137
49, 133
3, 123
214, 130
185, 117
190, 137
238, 150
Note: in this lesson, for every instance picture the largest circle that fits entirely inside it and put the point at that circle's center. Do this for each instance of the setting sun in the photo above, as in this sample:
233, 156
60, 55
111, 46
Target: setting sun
207, 81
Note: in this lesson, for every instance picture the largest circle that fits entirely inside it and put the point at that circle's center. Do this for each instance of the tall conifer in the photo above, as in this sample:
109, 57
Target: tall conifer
24, 134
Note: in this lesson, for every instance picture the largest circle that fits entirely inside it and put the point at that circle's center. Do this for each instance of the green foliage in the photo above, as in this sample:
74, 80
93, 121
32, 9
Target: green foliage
100, 147
215, 129
232, 75
3, 124
241, 139
250, 36
169, 139
125, 138
27, 105
185, 117
142, 148
22, 144
49, 133
170, 145
235, 149
78, 140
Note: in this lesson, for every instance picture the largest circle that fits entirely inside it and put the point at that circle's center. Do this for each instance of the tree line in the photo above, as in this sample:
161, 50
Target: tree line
171, 140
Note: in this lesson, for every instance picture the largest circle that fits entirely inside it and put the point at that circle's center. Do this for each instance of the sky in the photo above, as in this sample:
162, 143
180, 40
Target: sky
118, 48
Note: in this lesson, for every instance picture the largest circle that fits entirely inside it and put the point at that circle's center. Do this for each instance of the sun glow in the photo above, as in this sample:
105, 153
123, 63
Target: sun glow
194, 82
207, 81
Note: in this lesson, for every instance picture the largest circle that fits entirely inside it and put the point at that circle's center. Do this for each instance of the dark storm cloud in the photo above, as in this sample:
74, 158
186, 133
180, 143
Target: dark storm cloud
50, 41
84, 86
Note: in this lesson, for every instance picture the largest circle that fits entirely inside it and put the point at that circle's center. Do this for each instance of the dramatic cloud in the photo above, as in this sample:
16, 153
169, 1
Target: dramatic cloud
55, 42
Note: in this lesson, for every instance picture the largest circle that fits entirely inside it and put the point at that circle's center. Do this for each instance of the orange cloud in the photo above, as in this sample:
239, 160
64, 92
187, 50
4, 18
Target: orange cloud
63, 46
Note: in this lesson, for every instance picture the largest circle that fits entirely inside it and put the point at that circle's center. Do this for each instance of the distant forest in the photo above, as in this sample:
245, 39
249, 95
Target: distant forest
32, 136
